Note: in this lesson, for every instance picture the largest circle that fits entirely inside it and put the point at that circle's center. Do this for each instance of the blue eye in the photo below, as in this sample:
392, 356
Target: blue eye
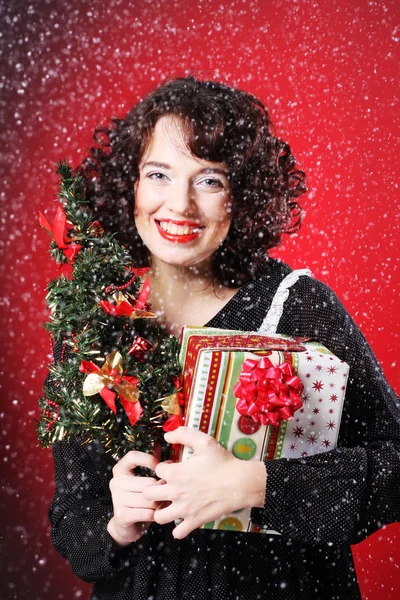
213, 182
156, 176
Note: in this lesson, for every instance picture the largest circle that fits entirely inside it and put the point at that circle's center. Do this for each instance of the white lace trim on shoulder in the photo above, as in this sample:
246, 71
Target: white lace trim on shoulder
273, 316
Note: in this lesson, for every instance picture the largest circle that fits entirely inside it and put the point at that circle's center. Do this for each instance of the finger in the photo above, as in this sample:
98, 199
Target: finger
165, 515
131, 483
124, 499
187, 436
183, 529
158, 492
168, 470
130, 516
133, 459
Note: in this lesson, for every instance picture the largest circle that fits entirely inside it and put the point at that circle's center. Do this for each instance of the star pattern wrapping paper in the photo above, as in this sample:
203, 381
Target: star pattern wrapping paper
212, 361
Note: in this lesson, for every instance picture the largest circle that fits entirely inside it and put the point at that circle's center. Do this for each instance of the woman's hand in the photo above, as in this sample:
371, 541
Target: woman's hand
132, 512
212, 483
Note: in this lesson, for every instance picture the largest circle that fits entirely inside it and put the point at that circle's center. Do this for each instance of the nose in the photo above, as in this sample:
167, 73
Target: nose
181, 198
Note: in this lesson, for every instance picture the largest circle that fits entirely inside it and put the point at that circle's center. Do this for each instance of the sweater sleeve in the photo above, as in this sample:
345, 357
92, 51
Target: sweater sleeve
343, 495
81, 509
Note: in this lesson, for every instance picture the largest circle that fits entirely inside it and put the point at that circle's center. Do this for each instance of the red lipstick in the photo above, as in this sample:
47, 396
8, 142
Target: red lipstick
179, 239
180, 222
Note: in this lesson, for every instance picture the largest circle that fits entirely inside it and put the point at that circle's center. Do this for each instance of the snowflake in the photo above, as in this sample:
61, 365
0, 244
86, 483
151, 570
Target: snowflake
331, 411
308, 375
318, 368
318, 385
332, 370
326, 443
333, 398
320, 400
332, 385
312, 439
316, 411
292, 447
331, 425
304, 453
309, 358
305, 397
312, 422
298, 431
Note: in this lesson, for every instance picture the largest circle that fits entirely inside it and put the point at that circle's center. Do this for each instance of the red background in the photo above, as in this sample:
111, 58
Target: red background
327, 70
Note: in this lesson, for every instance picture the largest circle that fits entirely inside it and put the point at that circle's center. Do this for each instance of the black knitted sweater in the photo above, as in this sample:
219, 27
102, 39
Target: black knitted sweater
321, 504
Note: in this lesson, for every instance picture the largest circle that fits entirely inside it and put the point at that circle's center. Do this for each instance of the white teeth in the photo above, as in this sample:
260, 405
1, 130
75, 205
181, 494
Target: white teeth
177, 229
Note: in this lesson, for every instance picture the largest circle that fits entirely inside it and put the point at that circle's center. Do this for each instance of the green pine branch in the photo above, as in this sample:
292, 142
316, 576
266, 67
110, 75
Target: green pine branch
81, 330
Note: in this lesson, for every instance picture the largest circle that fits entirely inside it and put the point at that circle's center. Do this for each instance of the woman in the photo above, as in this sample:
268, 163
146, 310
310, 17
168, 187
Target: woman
211, 190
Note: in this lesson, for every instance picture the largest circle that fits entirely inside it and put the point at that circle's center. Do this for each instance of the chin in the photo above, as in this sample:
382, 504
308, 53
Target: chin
183, 262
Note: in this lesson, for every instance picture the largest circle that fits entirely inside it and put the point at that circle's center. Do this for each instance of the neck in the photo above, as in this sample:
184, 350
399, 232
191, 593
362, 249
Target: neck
199, 277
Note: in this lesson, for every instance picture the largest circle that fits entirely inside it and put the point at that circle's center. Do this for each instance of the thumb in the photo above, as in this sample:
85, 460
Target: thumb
187, 436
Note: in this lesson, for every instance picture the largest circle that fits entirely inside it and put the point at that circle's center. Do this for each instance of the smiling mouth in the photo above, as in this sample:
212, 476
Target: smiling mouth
180, 232
179, 227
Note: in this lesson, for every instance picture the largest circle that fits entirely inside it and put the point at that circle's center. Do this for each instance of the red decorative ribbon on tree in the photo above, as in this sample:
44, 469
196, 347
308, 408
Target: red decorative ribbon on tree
268, 393
140, 348
59, 231
100, 380
127, 306
173, 404
124, 308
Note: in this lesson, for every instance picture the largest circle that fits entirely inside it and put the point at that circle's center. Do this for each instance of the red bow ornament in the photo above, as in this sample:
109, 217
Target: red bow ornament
173, 405
268, 393
110, 375
140, 348
124, 308
59, 231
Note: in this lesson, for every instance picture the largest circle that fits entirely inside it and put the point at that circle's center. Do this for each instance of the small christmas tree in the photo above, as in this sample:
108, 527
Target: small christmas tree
116, 374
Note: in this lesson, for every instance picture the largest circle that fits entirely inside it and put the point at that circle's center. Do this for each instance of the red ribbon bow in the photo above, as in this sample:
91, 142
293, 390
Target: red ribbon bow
137, 309
173, 404
268, 393
59, 231
140, 348
99, 381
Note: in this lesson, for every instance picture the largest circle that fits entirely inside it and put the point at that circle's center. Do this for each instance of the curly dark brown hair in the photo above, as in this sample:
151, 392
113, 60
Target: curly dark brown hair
220, 124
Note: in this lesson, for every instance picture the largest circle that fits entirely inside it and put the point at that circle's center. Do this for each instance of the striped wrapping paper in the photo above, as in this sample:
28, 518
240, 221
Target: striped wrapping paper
212, 361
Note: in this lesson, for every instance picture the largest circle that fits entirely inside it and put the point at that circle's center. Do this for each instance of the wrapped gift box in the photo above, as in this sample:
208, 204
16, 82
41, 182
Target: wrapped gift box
212, 361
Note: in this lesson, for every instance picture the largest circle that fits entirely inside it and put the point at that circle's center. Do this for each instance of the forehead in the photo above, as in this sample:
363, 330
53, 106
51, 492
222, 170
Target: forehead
167, 136
168, 140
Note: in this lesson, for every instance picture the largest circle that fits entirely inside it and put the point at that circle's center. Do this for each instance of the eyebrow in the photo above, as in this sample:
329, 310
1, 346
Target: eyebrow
160, 165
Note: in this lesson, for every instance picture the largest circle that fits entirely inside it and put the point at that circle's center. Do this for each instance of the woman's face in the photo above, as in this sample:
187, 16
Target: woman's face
182, 203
